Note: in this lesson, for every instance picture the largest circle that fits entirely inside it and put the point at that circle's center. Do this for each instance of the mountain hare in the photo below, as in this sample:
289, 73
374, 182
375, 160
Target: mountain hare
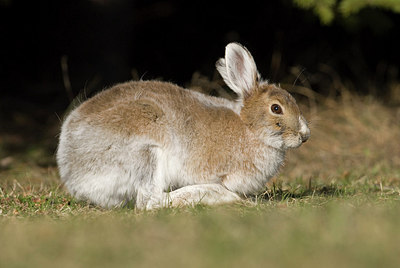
155, 144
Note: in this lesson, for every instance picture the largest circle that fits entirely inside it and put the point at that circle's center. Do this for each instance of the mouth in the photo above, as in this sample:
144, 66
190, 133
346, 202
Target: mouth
296, 141
304, 138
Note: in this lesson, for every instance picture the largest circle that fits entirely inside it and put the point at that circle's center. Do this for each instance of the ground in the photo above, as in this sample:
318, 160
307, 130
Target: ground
336, 203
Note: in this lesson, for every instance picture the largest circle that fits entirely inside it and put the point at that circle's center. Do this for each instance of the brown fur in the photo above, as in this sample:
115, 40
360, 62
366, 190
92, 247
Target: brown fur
135, 108
256, 111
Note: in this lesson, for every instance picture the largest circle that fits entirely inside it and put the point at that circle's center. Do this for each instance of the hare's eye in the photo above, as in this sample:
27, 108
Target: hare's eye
276, 109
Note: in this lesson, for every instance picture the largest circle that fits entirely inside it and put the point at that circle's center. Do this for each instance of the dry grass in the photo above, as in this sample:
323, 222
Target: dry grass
354, 137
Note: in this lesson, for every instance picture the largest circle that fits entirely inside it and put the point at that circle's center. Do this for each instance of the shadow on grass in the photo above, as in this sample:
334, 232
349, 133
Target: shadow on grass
277, 191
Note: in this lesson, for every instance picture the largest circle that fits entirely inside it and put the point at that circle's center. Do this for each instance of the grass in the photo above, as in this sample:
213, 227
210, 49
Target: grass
331, 226
336, 203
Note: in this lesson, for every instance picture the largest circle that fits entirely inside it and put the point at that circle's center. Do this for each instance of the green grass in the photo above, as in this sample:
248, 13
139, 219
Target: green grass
335, 204
341, 224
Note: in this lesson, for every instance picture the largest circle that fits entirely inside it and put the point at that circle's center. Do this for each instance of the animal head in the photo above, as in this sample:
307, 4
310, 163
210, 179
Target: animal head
269, 111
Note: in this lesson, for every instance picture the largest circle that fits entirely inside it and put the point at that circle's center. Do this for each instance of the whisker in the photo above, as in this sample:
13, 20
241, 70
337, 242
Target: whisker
298, 76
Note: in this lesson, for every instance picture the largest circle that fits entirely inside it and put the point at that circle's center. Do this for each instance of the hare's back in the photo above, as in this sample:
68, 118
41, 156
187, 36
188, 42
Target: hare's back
145, 108
122, 96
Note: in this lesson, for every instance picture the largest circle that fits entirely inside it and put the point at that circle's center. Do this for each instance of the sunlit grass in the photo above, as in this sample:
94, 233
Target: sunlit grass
352, 229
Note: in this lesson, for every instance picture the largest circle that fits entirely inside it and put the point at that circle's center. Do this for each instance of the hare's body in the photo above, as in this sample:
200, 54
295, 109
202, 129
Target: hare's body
136, 142
156, 144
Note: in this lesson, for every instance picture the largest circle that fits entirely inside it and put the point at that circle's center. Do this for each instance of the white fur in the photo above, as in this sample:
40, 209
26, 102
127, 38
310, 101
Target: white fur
208, 194
218, 102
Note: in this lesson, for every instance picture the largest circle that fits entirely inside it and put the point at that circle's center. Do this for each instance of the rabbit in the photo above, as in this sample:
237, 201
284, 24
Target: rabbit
153, 144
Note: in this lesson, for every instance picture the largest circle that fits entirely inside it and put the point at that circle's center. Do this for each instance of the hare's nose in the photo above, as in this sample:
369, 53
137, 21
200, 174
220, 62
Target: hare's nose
305, 135
304, 130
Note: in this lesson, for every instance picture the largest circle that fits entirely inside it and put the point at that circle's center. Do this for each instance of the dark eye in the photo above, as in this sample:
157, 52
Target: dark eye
276, 109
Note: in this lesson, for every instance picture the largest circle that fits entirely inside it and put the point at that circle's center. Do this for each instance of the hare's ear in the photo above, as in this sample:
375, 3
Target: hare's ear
238, 70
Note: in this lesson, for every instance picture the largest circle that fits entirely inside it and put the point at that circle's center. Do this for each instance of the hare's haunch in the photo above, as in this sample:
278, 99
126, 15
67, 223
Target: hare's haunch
154, 144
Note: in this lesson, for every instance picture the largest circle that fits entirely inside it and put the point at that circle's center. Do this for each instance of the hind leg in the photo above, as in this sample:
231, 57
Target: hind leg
208, 194
114, 177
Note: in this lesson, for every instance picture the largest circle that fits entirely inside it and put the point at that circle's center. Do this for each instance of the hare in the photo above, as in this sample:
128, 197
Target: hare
154, 144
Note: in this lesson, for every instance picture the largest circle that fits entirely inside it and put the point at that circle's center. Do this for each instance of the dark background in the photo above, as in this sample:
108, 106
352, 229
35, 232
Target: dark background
104, 42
